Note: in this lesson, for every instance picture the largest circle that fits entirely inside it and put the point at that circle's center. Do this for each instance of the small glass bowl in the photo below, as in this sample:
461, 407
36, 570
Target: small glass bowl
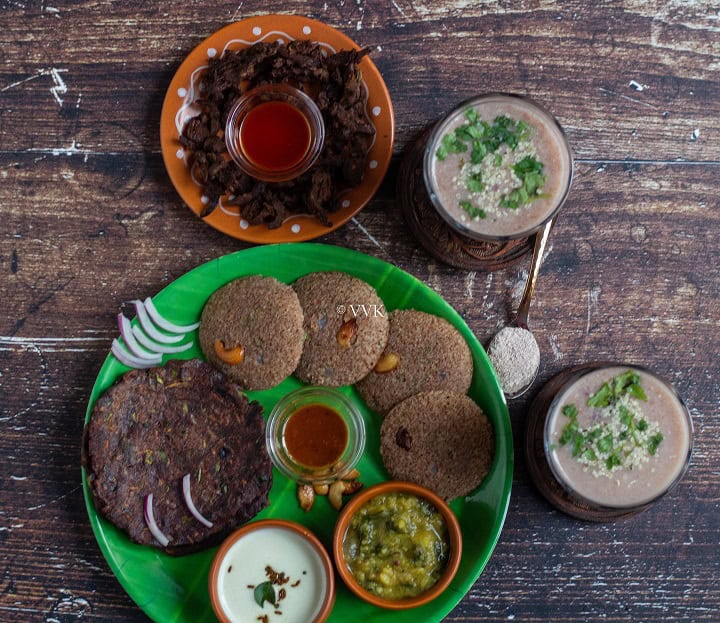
684, 448
441, 128
274, 93
275, 434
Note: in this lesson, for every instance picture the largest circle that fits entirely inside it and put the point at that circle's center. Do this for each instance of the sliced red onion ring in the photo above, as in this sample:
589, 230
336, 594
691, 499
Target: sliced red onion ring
161, 322
131, 361
154, 346
132, 344
150, 328
190, 504
150, 521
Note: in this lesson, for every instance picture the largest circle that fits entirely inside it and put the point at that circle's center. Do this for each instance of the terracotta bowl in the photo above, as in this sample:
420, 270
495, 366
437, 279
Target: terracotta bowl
454, 536
321, 561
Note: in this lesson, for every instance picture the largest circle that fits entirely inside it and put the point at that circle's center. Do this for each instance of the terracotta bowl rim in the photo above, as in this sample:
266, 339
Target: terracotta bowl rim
454, 535
306, 533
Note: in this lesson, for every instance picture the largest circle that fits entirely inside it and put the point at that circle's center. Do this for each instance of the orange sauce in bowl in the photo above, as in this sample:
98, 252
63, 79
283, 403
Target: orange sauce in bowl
275, 136
315, 435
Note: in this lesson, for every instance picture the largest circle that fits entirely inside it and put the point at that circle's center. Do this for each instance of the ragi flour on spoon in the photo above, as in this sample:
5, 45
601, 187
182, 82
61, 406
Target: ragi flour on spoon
515, 355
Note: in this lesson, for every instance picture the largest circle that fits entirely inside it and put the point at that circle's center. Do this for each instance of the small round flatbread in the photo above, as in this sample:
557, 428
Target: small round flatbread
261, 316
431, 355
346, 328
440, 440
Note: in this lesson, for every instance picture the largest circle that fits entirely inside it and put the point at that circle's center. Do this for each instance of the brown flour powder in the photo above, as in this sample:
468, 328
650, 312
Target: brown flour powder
515, 355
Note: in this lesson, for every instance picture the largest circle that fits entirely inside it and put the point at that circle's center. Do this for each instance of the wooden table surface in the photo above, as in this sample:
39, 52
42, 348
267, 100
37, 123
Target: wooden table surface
90, 220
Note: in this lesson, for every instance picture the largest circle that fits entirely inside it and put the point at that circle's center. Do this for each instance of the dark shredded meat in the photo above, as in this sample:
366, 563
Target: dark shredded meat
335, 84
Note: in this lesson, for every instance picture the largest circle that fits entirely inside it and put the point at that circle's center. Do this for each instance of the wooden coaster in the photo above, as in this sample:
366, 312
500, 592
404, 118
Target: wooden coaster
435, 235
537, 464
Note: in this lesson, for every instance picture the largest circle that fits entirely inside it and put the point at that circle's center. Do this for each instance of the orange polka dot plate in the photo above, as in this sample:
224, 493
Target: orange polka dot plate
186, 86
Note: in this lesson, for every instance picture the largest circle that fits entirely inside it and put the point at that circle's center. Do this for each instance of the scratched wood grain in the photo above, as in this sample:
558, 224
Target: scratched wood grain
628, 80
90, 220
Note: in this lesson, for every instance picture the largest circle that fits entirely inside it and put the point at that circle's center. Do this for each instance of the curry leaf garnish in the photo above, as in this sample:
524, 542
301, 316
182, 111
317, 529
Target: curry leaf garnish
265, 592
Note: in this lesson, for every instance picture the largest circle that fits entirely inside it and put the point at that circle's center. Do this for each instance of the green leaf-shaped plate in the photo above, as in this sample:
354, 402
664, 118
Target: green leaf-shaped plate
175, 589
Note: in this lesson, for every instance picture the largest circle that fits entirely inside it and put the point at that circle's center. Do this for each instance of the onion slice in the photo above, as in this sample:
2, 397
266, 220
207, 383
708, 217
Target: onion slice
147, 324
131, 361
161, 322
130, 342
191, 505
154, 346
150, 521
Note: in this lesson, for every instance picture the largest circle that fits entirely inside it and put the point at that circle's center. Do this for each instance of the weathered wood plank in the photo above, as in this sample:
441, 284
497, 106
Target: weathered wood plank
624, 278
627, 84
90, 220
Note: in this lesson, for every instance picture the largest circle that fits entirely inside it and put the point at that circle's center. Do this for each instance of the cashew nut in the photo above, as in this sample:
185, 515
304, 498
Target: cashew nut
351, 475
230, 356
321, 489
387, 363
335, 494
306, 496
347, 333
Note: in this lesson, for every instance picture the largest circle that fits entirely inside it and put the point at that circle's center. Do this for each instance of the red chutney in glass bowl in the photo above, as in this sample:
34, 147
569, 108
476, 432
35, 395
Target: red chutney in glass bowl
316, 435
274, 132
275, 136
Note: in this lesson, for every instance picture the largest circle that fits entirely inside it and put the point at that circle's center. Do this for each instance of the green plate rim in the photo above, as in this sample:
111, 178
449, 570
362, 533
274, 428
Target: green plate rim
504, 460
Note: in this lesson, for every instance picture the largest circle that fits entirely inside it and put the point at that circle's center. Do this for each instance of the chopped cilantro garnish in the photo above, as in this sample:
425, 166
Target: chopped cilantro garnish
654, 442
450, 144
605, 444
610, 392
567, 433
527, 165
463, 133
589, 454
472, 211
635, 390
577, 441
475, 183
601, 398
617, 436
483, 138
478, 152
570, 411
613, 461
529, 171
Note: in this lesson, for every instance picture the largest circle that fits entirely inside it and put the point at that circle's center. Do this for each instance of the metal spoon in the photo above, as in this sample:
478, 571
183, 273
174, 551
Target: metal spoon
523, 311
